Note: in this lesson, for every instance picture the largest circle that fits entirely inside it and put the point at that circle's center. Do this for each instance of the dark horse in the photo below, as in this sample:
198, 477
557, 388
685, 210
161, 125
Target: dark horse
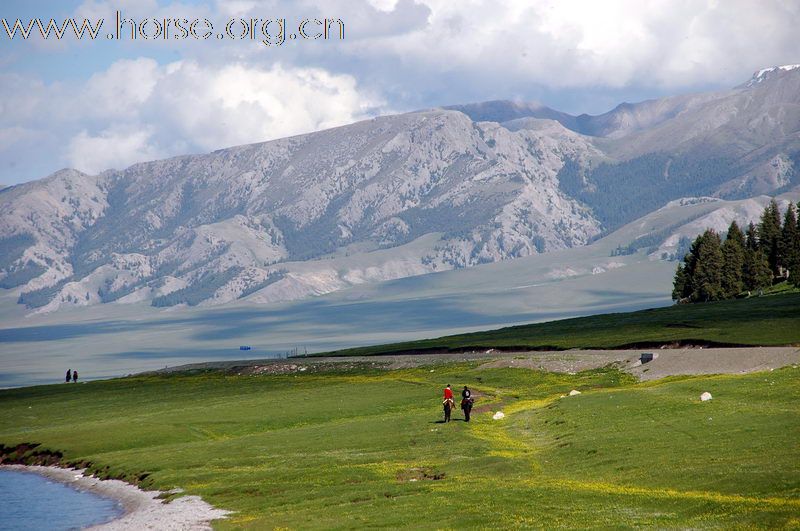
448, 408
466, 405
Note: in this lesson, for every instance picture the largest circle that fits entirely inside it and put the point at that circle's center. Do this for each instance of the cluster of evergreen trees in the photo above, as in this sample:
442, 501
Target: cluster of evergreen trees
769, 252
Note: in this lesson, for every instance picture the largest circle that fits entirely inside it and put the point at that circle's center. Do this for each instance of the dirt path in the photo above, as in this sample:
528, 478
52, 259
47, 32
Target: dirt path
666, 362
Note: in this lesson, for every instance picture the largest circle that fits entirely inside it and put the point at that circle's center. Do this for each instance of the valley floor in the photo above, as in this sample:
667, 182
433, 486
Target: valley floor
346, 444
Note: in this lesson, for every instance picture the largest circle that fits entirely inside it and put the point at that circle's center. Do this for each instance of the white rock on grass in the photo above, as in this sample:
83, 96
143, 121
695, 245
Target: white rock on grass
574, 392
705, 397
499, 415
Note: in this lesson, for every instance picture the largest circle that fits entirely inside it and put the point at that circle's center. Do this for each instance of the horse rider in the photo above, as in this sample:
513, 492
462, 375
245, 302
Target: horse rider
448, 402
466, 402
448, 393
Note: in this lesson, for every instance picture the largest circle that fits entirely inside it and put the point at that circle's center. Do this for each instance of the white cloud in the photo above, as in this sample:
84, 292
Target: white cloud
383, 5
513, 43
585, 43
578, 55
111, 148
107, 9
122, 88
136, 110
240, 104
236, 8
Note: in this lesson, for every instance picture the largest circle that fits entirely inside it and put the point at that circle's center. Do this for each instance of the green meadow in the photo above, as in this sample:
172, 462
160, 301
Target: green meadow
768, 320
363, 448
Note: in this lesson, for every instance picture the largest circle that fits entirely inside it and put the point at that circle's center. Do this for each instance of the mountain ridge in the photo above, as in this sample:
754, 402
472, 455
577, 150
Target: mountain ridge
388, 197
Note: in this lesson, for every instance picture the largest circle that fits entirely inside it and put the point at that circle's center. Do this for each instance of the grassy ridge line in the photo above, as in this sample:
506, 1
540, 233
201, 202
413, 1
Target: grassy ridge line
761, 321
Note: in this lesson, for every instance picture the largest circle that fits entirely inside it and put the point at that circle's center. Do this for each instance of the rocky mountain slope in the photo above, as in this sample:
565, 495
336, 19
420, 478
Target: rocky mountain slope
387, 198
437, 189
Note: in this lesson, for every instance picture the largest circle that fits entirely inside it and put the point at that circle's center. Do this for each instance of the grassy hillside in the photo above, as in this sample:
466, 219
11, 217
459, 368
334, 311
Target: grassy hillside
772, 320
364, 448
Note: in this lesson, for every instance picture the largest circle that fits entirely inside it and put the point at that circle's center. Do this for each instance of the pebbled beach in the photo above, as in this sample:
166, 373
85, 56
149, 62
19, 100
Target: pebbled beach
143, 509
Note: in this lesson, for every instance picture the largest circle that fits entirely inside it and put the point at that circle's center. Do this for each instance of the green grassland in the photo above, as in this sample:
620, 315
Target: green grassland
363, 447
768, 320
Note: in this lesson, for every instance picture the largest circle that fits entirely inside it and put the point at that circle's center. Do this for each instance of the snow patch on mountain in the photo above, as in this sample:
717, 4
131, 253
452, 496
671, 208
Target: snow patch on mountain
761, 75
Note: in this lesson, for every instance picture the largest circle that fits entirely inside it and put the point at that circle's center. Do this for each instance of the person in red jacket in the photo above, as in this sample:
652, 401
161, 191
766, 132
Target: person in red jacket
447, 403
448, 393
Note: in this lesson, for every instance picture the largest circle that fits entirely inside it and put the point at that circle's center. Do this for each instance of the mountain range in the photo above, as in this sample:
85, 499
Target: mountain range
394, 197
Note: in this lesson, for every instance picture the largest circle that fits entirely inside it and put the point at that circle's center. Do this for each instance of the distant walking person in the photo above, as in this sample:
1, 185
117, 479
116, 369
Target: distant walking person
74, 376
69, 375
466, 402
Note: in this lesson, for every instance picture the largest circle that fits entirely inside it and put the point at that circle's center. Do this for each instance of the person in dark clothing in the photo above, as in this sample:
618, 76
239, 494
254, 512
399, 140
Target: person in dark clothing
74, 376
466, 402
69, 375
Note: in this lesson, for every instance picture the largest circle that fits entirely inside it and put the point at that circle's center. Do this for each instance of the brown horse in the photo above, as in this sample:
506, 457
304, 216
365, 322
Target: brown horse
448, 406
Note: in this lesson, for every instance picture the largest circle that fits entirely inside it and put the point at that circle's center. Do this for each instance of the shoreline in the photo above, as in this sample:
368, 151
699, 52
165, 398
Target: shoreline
141, 509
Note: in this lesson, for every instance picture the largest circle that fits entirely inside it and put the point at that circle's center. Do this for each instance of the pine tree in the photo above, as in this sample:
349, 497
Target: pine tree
796, 279
679, 283
707, 275
756, 274
788, 248
713, 269
733, 250
688, 271
794, 256
769, 235
752, 237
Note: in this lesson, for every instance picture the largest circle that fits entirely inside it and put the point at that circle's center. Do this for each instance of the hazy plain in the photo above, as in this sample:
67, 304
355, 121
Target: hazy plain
116, 339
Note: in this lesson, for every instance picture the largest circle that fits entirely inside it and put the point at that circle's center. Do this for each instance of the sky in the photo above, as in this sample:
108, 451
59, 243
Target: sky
109, 103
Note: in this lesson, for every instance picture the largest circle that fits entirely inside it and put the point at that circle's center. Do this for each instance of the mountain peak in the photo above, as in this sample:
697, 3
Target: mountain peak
500, 110
763, 74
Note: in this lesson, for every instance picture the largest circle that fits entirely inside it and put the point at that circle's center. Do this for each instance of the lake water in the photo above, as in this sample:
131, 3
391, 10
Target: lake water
31, 502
